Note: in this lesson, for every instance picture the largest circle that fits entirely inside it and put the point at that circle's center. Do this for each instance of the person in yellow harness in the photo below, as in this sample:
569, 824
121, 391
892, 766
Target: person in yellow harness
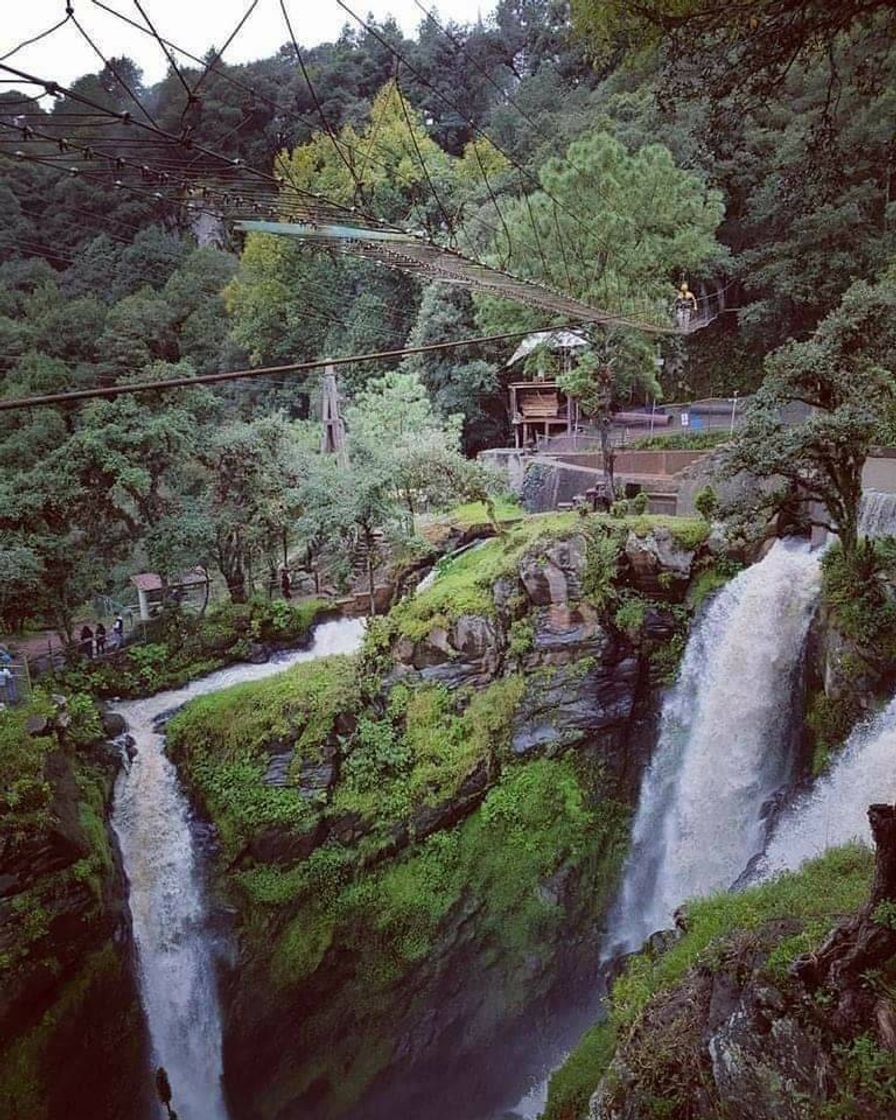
685, 306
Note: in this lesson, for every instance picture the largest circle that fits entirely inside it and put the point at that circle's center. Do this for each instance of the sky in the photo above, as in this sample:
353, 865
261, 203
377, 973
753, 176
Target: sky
194, 25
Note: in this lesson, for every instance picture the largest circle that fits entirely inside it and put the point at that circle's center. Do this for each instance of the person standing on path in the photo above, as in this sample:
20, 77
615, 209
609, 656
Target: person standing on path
86, 641
118, 631
100, 639
286, 584
7, 685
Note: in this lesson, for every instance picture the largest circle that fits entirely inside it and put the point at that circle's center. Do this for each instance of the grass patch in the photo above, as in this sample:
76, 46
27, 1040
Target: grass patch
221, 741
476, 513
818, 895
573, 1084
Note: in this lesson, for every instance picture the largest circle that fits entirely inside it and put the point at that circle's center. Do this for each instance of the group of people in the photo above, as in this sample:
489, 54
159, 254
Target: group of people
93, 642
9, 693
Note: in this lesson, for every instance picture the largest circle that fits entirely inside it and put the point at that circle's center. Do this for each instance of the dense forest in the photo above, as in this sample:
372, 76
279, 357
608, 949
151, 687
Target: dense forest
776, 189
502, 786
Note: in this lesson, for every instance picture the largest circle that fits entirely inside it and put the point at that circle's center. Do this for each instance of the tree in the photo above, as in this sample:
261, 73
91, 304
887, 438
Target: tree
844, 376
388, 423
611, 227
460, 382
606, 376
251, 499
748, 48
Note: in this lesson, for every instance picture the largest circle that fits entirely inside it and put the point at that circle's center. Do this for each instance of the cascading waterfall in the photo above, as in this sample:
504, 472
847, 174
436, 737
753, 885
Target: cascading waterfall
877, 515
151, 818
835, 810
722, 746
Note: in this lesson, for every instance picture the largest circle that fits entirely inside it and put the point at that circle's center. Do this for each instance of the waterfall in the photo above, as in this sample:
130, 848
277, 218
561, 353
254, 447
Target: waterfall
877, 515
834, 811
722, 750
151, 818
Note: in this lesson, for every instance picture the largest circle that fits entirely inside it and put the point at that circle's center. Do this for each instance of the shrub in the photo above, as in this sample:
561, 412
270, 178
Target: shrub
706, 502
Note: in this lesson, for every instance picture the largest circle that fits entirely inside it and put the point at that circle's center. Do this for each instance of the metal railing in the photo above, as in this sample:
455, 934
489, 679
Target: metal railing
15, 682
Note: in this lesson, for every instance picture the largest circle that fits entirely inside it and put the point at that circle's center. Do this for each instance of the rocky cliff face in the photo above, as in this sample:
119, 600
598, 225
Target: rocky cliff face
756, 1029
420, 843
68, 998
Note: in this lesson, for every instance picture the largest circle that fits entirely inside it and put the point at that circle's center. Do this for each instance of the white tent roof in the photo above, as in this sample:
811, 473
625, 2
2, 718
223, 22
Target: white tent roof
554, 340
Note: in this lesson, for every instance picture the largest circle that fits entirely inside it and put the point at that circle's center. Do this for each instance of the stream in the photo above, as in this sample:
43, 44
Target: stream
153, 822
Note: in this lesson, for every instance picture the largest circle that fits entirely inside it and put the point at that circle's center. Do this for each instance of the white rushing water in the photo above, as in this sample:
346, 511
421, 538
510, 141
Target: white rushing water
835, 810
722, 750
877, 514
151, 818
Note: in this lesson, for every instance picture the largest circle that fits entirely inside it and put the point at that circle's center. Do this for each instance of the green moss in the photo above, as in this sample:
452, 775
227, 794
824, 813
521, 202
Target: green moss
476, 513
537, 819
28, 1063
822, 892
827, 888
465, 585
521, 637
573, 1084
858, 597
710, 579
423, 750
631, 613
221, 741
830, 720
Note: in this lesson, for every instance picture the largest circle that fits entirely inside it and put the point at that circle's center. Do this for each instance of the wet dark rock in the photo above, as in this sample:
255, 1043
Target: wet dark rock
277, 773
113, 724
659, 566
556, 575
39, 726
432, 818
348, 828
564, 705
279, 846
258, 653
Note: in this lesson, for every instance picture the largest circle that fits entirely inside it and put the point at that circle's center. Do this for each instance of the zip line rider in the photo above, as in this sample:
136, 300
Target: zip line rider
685, 306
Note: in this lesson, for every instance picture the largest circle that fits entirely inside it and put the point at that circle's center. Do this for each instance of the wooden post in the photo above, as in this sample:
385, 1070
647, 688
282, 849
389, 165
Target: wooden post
333, 437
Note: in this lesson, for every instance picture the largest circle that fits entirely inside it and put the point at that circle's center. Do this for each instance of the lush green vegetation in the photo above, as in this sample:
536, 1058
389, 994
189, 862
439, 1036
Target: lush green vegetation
464, 586
813, 898
220, 742
680, 441
388, 925
35, 807
187, 646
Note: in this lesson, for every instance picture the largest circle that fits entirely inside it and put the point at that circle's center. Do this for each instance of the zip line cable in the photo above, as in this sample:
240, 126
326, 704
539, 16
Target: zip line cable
277, 180
275, 105
42, 35
233, 375
108, 65
456, 109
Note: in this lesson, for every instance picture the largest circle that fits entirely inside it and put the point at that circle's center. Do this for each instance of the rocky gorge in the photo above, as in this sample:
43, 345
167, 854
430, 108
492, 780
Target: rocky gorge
411, 851
422, 839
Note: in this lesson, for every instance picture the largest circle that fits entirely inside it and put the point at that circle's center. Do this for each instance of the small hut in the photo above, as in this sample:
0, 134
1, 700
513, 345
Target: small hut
191, 588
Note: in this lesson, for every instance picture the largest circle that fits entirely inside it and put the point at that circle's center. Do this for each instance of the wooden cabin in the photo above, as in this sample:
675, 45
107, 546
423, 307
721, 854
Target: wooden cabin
539, 408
